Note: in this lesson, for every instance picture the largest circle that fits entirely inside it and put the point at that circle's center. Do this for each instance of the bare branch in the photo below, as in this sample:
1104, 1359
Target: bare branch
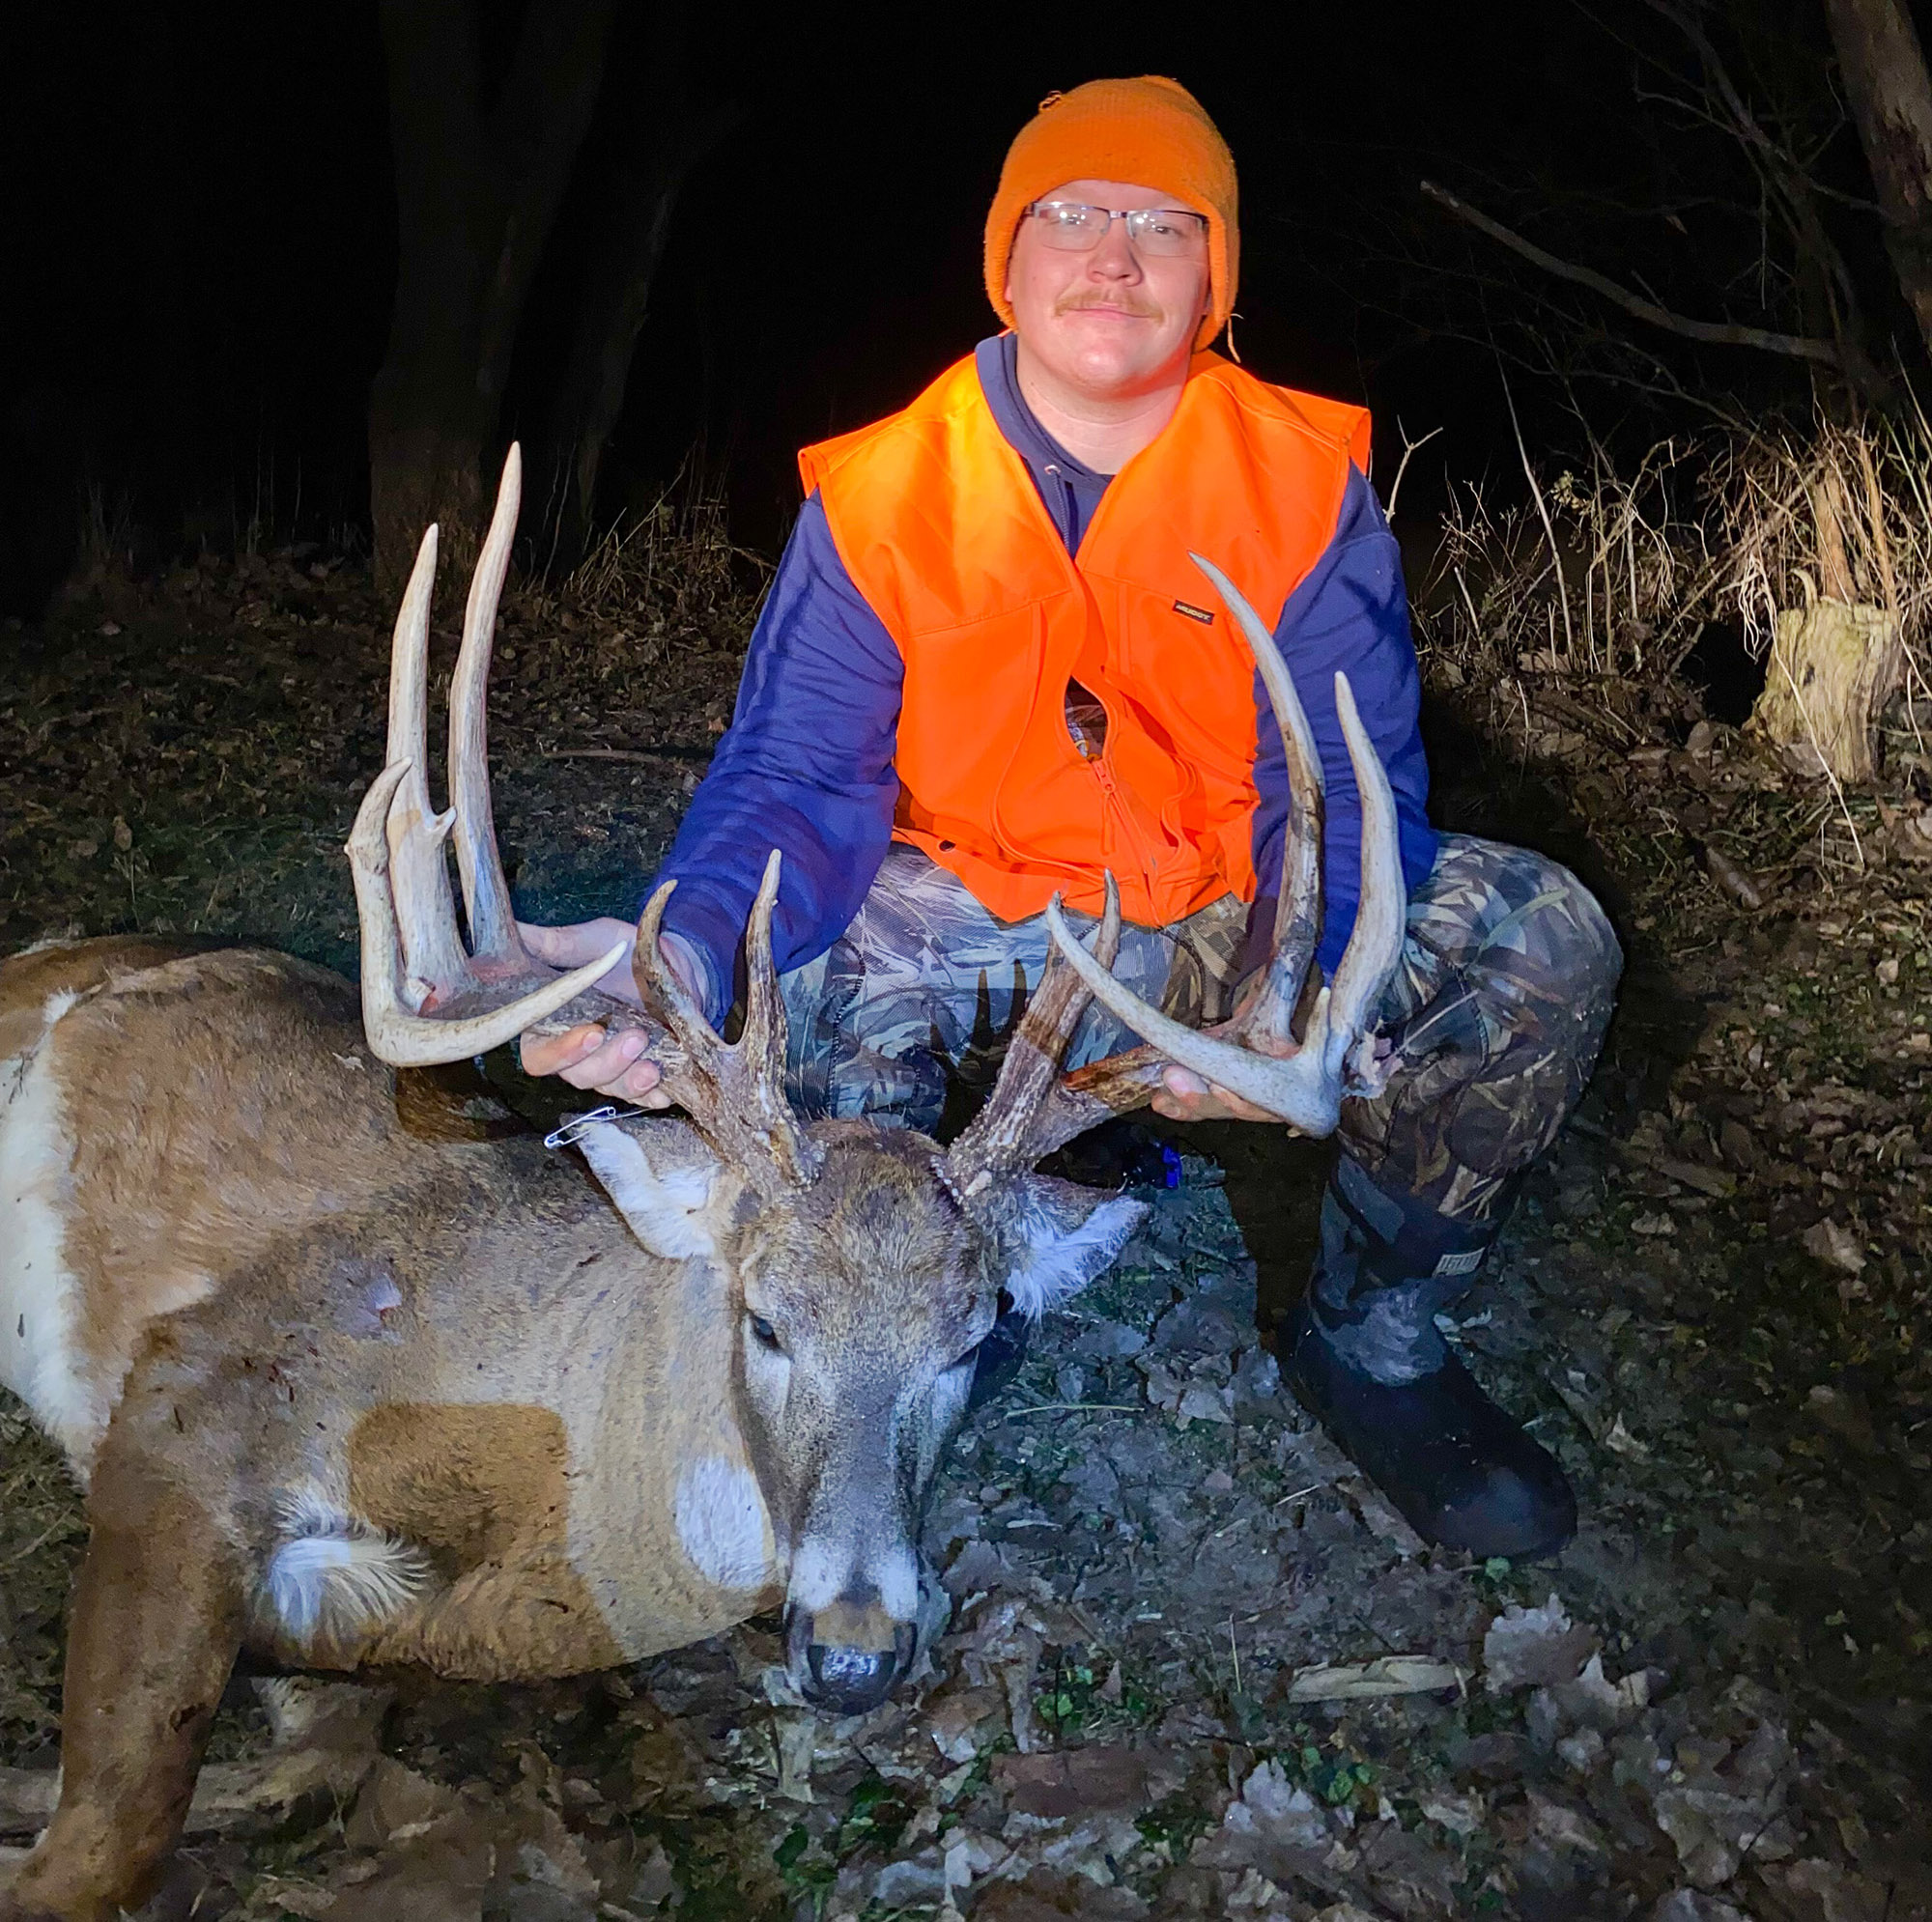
1408, 448
1787, 177
1717, 333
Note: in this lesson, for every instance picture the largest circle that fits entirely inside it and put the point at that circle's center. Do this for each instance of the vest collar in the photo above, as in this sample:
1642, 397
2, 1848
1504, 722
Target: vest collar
1069, 490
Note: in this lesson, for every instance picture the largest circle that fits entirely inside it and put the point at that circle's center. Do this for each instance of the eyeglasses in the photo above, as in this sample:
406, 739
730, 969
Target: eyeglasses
1071, 228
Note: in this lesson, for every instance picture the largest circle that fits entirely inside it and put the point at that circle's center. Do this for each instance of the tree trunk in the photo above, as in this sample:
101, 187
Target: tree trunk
1890, 97
427, 421
476, 197
611, 315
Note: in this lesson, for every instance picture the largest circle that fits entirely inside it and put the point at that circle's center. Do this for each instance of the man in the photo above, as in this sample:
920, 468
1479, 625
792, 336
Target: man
987, 672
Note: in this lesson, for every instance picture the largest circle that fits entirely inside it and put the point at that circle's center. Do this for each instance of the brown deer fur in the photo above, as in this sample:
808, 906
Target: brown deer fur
278, 1327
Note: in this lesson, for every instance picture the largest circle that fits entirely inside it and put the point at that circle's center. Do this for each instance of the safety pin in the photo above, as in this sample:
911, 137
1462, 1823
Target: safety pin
581, 1124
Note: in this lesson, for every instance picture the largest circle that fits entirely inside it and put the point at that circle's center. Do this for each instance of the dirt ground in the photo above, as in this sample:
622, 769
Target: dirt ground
1195, 1666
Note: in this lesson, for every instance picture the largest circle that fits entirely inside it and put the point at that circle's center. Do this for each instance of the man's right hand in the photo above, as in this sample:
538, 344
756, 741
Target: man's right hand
588, 1057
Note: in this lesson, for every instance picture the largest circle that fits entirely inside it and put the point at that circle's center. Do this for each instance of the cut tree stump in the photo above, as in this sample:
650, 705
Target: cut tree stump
1834, 665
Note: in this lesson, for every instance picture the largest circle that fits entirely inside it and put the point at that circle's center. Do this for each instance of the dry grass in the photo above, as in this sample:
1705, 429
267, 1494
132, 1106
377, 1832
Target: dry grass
1562, 601
664, 578
1841, 511
1583, 571
1600, 580
41, 1529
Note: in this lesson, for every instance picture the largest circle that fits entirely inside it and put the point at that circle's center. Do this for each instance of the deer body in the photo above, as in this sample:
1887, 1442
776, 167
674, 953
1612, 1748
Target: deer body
356, 1376
125, 1202
454, 1358
346, 1392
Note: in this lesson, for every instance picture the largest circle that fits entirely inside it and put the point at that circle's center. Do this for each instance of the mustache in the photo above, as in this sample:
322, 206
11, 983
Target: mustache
1136, 308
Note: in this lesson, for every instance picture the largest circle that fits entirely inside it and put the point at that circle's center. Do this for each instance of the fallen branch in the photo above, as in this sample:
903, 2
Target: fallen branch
1388, 1675
224, 1793
1719, 334
1732, 879
325, 1738
1076, 1409
641, 756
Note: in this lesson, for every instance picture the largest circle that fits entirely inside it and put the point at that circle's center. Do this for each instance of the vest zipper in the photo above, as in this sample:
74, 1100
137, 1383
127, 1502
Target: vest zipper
1150, 863
1066, 507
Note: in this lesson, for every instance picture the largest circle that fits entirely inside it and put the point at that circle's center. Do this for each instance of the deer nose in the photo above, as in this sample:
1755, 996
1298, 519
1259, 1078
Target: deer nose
849, 1681
846, 1658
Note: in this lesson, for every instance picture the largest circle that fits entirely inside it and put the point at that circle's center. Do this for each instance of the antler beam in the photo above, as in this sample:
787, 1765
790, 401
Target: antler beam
425, 997
1016, 1126
396, 1034
1250, 1054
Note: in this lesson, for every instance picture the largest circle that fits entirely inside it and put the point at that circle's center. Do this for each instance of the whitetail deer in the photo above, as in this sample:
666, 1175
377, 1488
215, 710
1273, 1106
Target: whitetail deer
345, 1393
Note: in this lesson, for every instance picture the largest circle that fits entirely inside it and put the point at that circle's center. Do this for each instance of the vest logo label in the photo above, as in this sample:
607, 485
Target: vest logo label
1205, 615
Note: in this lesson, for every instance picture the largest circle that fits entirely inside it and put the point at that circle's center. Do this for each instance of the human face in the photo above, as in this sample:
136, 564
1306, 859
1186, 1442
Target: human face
1112, 324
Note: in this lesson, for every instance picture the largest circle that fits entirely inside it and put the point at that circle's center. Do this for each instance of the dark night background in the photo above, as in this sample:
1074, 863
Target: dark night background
200, 231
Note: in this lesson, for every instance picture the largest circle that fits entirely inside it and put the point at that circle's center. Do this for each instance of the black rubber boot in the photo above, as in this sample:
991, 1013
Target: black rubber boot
1364, 1356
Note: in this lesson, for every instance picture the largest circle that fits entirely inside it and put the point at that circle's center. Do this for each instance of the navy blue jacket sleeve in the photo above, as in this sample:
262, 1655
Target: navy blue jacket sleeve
806, 767
1350, 613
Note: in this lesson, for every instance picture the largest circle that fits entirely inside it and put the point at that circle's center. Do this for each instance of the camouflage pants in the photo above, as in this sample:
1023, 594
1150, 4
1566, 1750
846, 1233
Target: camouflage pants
1496, 1010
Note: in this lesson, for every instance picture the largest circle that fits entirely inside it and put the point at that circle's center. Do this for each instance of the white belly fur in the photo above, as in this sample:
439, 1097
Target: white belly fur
38, 1293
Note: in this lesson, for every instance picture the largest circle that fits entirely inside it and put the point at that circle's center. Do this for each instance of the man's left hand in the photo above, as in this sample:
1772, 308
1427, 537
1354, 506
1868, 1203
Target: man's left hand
1184, 1097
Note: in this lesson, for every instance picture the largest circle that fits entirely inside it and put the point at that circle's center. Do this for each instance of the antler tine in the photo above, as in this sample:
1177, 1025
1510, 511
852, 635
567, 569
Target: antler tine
433, 954
736, 1095
1267, 1020
1099, 1091
409, 664
1305, 1088
1381, 914
665, 995
381, 938
1107, 936
396, 1033
1003, 1137
486, 894
760, 1053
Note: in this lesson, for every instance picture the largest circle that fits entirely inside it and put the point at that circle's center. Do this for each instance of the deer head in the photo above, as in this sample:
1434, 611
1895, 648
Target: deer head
862, 1266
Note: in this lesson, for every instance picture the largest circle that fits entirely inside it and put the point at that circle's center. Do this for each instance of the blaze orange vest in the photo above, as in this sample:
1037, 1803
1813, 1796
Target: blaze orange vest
942, 529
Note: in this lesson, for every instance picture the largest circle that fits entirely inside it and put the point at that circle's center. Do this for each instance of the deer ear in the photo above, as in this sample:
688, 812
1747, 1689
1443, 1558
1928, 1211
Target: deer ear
1057, 1237
662, 1182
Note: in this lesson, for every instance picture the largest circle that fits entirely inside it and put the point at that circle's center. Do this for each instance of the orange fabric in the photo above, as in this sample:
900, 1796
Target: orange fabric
1146, 133
941, 528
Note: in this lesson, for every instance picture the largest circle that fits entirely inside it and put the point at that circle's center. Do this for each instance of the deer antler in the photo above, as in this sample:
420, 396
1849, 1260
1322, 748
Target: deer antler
1005, 1137
735, 1094
1336, 1054
425, 999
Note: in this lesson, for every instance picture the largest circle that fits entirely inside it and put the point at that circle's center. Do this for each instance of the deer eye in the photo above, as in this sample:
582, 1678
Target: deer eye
767, 1335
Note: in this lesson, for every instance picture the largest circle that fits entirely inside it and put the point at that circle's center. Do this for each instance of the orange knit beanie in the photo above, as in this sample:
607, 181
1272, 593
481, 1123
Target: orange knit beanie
1150, 133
